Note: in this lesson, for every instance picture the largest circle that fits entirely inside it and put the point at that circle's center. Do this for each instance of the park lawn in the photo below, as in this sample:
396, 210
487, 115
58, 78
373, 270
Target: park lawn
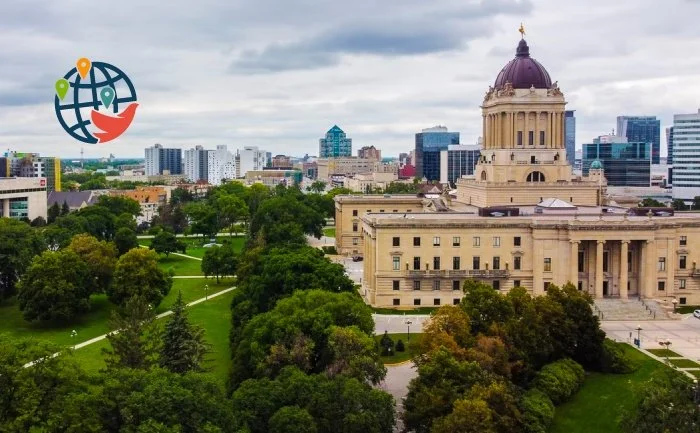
193, 289
685, 309
213, 315
604, 397
180, 265
420, 310
195, 248
411, 347
663, 352
330, 232
695, 373
684, 363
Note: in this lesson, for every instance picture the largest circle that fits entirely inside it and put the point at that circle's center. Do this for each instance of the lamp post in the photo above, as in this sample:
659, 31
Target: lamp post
639, 338
674, 302
696, 392
73, 334
206, 292
667, 343
408, 336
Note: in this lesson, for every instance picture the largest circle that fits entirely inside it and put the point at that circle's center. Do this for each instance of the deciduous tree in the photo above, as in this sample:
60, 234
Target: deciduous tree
19, 243
125, 239
137, 274
165, 242
100, 257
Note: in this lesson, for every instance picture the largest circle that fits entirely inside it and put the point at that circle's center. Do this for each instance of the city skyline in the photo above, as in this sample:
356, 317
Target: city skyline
379, 83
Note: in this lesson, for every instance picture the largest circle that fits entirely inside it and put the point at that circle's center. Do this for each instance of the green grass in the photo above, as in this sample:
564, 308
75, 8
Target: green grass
410, 346
684, 363
685, 309
330, 232
180, 265
662, 352
695, 373
195, 248
193, 289
604, 397
421, 310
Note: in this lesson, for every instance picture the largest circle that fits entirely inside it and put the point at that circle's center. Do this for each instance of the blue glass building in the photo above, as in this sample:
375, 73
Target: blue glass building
669, 145
429, 143
624, 164
646, 129
570, 135
335, 145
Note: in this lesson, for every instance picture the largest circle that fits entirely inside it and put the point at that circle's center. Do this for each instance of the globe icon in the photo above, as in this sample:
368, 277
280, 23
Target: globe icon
75, 110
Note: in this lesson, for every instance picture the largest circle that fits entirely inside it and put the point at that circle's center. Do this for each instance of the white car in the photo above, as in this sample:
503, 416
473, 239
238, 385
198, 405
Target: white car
696, 313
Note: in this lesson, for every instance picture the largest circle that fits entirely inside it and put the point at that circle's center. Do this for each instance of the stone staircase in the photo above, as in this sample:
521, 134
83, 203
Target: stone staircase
629, 309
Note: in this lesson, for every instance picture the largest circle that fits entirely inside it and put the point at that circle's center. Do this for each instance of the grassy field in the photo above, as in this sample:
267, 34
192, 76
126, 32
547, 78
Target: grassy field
330, 232
662, 352
421, 310
685, 309
180, 265
411, 347
195, 248
603, 398
684, 363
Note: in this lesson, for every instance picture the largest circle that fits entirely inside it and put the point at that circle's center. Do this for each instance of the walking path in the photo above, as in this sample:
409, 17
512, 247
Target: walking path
177, 254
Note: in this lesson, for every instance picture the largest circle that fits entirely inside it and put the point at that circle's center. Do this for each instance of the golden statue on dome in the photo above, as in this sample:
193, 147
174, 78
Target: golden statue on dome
522, 31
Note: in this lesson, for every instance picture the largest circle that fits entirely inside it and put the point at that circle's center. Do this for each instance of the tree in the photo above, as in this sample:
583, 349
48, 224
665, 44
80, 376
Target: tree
449, 327
136, 341
137, 274
183, 344
125, 239
165, 242
318, 186
696, 203
53, 212
19, 243
219, 261
230, 209
180, 195
118, 205
292, 419
354, 354
203, 219
650, 202
38, 222
57, 286
467, 416
387, 344
56, 237
277, 217
99, 256
484, 306
65, 209
679, 204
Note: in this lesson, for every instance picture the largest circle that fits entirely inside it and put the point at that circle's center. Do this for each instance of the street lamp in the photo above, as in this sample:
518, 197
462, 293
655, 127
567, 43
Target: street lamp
674, 302
639, 338
696, 391
73, 334
666, 344
206, 292
408, 337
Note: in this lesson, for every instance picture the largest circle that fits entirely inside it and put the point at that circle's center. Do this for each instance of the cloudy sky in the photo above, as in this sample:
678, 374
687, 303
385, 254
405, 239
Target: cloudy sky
279, 73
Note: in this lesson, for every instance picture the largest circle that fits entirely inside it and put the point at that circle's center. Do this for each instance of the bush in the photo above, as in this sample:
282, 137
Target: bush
399, 346
537, 410
614, 359
560, 380
330, 250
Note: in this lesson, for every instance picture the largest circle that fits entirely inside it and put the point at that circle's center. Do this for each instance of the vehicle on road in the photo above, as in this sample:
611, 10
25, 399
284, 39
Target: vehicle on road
696, 313
356, 258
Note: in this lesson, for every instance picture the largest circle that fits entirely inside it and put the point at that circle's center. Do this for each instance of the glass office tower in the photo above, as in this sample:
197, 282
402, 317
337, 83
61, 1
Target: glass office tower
642, 128
429, 143
624, 164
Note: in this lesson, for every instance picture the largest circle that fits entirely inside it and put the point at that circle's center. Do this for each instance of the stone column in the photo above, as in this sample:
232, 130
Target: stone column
6, 208
574, 263
624, 271
599, 270
526, 132
650, 271
671, 261
483, 127
537, 268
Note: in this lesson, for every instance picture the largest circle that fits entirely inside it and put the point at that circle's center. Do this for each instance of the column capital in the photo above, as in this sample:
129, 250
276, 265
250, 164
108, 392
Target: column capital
575, 242
649, 241
600, 242
625, 242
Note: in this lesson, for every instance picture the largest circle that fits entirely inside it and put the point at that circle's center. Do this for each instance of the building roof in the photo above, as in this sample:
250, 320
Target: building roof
555, 203
74, 199
523, 71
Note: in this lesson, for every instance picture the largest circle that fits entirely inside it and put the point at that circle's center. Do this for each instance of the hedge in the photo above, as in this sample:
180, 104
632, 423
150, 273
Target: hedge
560, 380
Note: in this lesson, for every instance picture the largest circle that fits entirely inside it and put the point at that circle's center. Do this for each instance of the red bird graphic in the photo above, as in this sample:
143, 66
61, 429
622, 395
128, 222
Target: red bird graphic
113, 126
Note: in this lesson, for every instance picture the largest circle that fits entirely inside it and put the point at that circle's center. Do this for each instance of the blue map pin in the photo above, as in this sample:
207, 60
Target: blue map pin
107, 96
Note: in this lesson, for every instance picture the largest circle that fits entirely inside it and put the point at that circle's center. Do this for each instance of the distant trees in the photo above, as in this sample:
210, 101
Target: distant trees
285, 220
165, 242
220, 261
19, 243
317, 186
650, 202
137, 274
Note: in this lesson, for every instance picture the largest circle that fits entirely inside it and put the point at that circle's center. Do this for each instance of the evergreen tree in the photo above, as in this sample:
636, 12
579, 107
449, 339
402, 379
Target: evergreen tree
135, 343
65, 210
183, 344
53, 213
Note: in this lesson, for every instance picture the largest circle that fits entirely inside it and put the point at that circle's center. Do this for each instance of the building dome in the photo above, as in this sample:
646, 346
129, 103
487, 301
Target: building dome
523, 72
596, 165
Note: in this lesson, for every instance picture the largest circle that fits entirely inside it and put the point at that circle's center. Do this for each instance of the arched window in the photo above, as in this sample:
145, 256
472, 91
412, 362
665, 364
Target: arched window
535, 176
483, 175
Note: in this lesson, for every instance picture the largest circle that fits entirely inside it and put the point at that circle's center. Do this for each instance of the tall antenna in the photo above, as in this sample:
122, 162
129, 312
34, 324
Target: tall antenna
81, 158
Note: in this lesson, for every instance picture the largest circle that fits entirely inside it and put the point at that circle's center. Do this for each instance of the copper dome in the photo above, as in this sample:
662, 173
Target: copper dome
523, 72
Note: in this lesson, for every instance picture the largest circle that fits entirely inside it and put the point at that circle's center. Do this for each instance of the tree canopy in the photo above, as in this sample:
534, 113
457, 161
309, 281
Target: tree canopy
137, 274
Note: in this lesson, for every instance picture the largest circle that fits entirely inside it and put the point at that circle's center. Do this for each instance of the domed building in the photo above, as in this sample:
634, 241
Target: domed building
522, 220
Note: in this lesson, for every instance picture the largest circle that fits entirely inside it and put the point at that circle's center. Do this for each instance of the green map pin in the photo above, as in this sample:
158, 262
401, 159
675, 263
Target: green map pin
107, 95
62, 87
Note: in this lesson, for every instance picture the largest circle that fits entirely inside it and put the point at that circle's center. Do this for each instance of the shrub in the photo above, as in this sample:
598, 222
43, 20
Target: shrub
560, 380
537, 410
387, 344
330, 250
614, 359
399, 346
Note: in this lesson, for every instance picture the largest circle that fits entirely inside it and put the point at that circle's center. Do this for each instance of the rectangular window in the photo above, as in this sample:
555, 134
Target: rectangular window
354, 212
496, 285
581, 261
496, 241
436, 301
520, 138
531, 138
516, 241
684, 241
436, 263
662, 285
456, 301
683, 261
546, 285
416, 301
516, 262
456, 263
397, 301
416, 263
397, 263
541, 138
456, 241
477, 241
662, 264
436, 285
548, 264
416, 284
354, 227
381, 210
605, 261
455, 285
355, 241
396, 284
580, 286
681, 284
436, 241
496, 263
516, 283
476, 263
396, 241
416, 241
369, 210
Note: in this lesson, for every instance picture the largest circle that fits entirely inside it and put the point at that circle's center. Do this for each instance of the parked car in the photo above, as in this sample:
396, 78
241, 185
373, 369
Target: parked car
356, 258
696, 313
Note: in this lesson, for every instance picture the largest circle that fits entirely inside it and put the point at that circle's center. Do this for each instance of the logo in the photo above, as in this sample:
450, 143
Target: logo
42, 182
89, 99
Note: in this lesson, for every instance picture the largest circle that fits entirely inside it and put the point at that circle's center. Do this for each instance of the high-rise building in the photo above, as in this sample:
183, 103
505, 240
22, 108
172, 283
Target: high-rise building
624, 163
369, 152
669, 145
457, 161
570, 136
335, 145
250, 158
642, 128
162, 160
429, 143
21, 164
686, 156
221, 165
197, 164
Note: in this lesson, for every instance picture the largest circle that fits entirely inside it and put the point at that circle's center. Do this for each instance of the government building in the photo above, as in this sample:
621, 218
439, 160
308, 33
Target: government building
522, 219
